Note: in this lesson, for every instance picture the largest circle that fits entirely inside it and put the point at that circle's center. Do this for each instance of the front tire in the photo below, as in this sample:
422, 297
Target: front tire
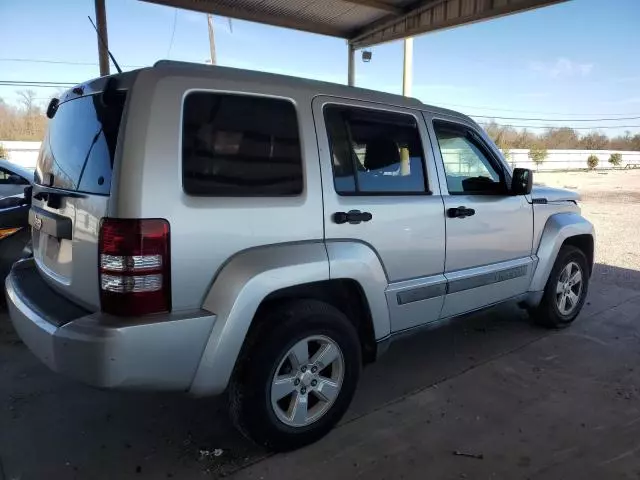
298, 376
566, 289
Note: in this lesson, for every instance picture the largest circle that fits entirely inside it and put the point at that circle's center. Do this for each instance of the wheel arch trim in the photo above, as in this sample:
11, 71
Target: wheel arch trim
235, 295
358, 261
558, 229
248, 278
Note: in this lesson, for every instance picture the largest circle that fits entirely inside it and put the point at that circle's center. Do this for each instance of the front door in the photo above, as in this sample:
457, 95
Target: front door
489, 231
380, 188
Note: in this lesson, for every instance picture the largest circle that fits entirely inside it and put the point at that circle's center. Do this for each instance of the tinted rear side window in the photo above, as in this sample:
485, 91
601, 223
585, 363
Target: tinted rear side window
235, 145
78, 151
374, 152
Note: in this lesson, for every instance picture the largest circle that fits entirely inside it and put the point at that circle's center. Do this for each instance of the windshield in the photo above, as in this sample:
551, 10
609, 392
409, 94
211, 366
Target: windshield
78, 151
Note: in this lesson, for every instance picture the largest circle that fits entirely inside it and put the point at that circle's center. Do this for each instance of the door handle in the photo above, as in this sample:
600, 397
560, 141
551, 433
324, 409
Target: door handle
352, 216
460, 212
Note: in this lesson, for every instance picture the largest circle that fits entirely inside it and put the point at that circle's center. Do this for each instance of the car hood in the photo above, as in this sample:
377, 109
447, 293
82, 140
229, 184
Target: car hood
551, 194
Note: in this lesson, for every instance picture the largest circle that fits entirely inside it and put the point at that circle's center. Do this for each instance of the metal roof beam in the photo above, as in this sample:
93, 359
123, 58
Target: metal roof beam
429, 15
253, 16
378, 5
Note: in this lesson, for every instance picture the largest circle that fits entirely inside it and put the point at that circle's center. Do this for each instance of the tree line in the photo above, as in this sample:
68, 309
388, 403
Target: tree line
25, 121
566, 138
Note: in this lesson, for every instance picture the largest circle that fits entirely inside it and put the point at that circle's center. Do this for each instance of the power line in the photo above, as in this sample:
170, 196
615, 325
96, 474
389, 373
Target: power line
173, 30
32, 85
59, 62
478, 107
27, 83
37, 81
573, 128
557, 119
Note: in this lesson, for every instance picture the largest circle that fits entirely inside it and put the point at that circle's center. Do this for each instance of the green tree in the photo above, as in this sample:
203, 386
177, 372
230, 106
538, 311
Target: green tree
538, 155
615, 159
3, 151
592, 162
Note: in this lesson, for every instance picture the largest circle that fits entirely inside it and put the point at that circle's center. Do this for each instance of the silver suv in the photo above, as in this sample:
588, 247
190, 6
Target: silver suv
207, 229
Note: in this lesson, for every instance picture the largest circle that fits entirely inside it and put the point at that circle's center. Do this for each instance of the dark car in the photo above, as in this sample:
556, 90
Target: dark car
13, 178
15, 234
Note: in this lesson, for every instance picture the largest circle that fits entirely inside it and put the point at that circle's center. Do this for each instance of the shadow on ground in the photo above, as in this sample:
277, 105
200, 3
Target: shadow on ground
563, 407
55, 428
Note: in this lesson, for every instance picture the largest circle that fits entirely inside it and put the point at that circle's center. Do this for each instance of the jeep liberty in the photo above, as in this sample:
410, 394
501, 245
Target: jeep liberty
214, 230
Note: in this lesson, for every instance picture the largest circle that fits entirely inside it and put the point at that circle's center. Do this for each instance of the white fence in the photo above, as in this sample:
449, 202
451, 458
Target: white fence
24, 154
571, 159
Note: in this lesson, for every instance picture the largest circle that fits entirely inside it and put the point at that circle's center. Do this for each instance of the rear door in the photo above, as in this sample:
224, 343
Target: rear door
71, 192
489, 230
376, 160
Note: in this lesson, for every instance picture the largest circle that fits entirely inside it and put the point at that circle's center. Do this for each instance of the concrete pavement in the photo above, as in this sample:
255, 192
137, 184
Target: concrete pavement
56, 428
564, 406
488, 384
533, 403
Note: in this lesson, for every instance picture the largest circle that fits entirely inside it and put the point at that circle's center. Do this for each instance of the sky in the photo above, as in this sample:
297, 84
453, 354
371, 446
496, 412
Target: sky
575, 60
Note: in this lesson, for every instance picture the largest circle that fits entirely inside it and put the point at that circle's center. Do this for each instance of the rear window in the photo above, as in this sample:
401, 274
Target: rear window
240, 146
78, 150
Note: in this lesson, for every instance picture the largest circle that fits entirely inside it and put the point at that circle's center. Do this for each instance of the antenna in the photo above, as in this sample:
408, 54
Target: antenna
115, 64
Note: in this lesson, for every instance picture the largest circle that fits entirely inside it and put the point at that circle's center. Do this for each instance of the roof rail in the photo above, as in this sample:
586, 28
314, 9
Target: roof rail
321, 86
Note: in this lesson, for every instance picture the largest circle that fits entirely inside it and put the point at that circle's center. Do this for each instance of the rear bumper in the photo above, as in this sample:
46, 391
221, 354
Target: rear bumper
158, 352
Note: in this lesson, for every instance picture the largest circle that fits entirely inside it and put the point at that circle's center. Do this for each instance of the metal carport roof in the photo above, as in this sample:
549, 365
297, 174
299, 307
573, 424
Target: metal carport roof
362, 22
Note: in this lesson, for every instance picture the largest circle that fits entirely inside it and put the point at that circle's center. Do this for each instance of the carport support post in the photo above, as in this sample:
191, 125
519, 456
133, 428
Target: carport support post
351, 65
103, 48
407, 71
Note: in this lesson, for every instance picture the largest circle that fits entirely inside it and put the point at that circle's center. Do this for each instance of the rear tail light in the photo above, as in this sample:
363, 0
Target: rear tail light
135, 267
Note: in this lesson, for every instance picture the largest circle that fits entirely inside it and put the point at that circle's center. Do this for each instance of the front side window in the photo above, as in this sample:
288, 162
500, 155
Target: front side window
5, 177
374, 152
469, 168
237, 146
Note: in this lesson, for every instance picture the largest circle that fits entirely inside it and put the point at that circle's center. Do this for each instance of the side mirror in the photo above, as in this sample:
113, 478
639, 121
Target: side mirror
522, 182
28, 193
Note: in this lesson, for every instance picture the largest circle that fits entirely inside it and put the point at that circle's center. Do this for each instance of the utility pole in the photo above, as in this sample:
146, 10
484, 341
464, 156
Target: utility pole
407, 71
351, 66
212, 39
103, 46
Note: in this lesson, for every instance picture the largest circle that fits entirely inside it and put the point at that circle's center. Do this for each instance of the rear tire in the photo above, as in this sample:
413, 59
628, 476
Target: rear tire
565, 291
320, 392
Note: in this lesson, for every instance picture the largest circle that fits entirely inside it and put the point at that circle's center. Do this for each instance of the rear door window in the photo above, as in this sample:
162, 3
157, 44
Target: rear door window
374, 152
79, 148
240, 146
